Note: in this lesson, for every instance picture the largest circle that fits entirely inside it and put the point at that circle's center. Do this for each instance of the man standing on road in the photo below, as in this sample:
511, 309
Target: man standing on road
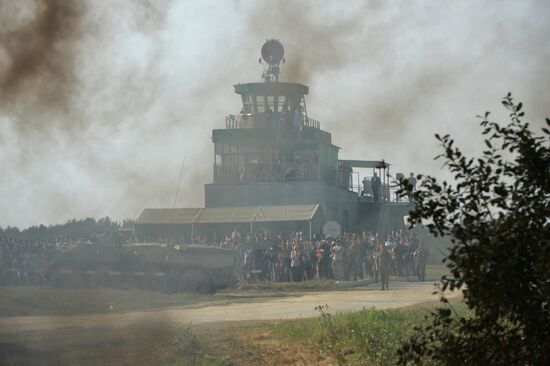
384, 261
420, 258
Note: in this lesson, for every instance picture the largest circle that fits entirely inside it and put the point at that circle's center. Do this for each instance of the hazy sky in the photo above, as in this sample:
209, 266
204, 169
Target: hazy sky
100, 101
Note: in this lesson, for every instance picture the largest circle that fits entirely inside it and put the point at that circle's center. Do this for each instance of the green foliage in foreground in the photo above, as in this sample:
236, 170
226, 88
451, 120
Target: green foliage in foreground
497, 210
438, 247
191, 351
366, 337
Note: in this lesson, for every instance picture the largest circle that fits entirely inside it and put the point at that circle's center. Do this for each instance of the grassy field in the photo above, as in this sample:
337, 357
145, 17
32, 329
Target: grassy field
367, 337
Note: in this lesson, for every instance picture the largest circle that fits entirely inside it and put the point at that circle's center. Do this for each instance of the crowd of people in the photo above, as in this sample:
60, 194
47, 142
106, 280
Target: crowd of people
291, 257
19, 258
274, 257
14, 254
353, 256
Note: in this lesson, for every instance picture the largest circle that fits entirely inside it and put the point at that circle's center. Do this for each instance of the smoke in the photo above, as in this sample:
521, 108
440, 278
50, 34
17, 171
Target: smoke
384, 77
37, 55
100, 102
317, 43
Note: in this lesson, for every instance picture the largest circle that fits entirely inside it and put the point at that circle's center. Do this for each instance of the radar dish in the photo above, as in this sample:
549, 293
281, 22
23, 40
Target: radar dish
272, 52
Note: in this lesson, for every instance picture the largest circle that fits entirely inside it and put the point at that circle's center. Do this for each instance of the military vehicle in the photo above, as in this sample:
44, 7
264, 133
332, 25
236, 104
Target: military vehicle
165, 267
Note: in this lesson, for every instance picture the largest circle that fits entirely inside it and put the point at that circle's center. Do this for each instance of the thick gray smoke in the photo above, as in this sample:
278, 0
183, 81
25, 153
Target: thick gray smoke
384, 78
37, 59
101, 101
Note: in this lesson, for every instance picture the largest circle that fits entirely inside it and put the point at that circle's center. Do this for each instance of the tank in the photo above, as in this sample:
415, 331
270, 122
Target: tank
151, 266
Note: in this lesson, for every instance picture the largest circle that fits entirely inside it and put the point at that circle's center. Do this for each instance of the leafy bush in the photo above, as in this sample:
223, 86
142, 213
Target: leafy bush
497, 211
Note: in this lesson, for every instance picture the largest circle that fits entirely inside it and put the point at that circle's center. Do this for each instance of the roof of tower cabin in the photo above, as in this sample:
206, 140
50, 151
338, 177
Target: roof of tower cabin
218, 215
278, 88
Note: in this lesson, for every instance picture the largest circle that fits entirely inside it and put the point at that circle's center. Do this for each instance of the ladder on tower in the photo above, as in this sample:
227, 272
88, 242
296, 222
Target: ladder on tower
303, 116
303, 106
277, 147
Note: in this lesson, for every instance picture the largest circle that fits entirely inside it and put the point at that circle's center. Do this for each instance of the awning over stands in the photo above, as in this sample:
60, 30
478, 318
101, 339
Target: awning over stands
214, 215
219, 216
168, 216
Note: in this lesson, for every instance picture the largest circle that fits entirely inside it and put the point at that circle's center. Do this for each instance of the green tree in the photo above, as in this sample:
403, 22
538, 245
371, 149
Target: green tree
73, 229
497, 210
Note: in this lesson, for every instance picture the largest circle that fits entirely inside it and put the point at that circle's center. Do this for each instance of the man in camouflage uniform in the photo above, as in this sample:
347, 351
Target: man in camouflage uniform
384, 263
354, 261
420, 258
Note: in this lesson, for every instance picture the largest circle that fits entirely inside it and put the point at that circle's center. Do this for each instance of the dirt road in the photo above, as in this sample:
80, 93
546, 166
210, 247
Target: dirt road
401, 294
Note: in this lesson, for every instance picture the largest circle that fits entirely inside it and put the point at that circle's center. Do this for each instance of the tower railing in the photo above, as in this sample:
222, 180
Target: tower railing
236, 121
256, 173
233, 121
310, 122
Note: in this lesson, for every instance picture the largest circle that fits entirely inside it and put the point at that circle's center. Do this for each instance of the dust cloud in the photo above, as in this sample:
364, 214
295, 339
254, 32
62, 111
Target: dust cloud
37, 56
100, 102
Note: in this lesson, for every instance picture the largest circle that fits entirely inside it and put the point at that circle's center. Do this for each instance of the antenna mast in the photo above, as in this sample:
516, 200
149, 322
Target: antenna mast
177, 191
272, 54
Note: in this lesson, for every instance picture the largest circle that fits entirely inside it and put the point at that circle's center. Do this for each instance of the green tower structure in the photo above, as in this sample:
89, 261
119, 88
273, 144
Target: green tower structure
271, 157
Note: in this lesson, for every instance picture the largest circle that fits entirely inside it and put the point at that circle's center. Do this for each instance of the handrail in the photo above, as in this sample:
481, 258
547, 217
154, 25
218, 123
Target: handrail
236, 121
310, 122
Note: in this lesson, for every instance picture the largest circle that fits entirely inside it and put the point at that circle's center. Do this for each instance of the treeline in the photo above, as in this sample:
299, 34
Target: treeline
73, 228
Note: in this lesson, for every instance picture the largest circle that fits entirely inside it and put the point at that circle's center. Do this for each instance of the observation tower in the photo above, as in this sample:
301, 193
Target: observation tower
274, 167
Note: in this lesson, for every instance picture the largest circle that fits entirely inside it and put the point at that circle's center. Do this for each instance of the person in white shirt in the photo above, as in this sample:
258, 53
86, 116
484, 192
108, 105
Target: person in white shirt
338, 261
389, 244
